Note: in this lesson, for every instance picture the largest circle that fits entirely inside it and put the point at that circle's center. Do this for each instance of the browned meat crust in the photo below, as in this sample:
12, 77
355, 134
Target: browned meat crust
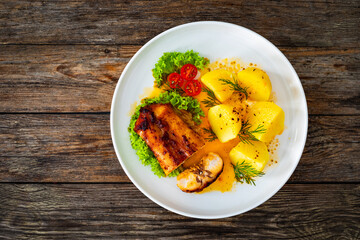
200, 176
168, 136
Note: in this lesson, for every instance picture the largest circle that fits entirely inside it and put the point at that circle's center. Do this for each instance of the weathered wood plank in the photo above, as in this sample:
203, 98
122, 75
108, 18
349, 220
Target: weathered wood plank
285, 23
330, 79
113, 211
78, 148
60, 79
58, 148
83, 78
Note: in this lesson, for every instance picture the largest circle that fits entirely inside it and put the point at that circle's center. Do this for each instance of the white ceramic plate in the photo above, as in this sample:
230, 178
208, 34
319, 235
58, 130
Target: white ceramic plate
213, 40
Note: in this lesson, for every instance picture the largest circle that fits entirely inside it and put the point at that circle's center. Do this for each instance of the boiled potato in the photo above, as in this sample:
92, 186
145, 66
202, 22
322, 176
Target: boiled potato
255, 154
257, 82
237, 101
268, 114
224, 121
211, 80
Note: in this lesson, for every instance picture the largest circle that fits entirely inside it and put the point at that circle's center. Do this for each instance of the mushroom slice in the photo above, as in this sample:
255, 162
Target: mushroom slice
196, 178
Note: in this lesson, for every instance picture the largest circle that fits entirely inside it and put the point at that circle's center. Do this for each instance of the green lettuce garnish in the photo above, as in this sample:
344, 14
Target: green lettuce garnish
173, 61
142, 150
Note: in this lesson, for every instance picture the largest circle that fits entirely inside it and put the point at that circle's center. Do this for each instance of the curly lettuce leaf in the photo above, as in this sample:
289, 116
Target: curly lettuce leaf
173, 61
145, 154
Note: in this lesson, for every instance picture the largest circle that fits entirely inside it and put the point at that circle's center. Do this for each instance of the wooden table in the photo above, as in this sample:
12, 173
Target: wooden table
59, 64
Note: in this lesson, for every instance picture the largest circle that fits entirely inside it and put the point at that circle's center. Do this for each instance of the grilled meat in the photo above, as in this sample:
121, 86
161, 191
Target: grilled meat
168, 136
196, 178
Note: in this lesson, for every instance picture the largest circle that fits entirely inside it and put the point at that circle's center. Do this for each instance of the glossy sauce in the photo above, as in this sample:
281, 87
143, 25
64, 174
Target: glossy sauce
149, 92
226, 180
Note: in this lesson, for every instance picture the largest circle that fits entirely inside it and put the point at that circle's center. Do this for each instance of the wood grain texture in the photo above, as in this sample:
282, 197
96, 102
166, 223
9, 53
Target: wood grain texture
113, 211
60, 79
285, 23
58, 148
83, 78
59, 64
78, 148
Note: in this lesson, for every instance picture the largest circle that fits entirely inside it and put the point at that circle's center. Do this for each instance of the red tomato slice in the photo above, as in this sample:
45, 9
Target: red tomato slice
188, 71
173, 79
180, 82
192, 87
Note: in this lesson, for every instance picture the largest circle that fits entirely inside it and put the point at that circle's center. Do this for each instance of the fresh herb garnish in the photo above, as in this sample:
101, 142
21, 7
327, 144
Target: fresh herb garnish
211, 135
211, 100
234, 85
244, 172
246, 135
173, 61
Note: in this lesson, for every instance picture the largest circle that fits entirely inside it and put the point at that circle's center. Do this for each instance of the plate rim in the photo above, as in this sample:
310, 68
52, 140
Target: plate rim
215, 216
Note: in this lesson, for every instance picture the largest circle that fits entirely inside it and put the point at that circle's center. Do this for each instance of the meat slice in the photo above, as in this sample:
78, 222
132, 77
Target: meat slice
196, 178
168, 136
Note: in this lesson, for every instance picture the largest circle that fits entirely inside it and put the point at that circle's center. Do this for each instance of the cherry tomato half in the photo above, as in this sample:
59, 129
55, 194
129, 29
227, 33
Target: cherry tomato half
174, 79
192, 87
180, 82
188, 71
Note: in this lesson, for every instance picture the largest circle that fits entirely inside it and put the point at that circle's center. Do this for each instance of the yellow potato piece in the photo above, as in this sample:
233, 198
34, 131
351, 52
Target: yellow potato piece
225, 122
211, 80
255, 154
257, 82
237, 101
268, 114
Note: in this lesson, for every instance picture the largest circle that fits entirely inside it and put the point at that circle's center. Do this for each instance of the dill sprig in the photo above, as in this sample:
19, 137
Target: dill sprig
211, 135
244, 172
234, 85
246, 135
211, 99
